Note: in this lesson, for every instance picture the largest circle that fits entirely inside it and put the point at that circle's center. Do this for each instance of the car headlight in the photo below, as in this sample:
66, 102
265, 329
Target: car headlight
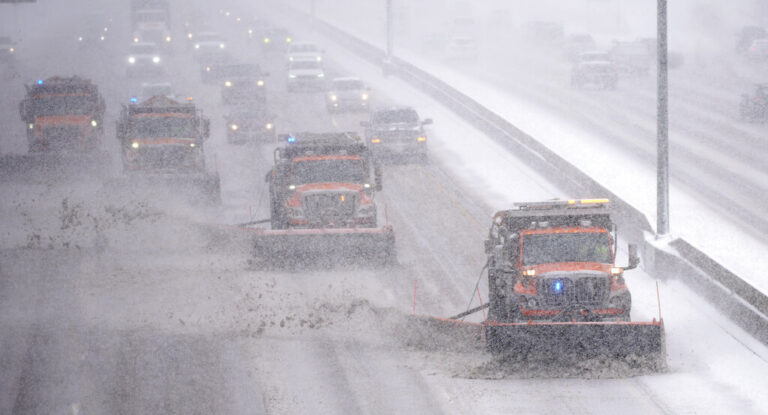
290, 75
260, 82
131, 60
11, 50
290, 59
421, 139
321, 75
167, 38
135, 40
31, 126
234, 127
197, 46
250, 31
135, 144
266, 40
156, 59
228, 84
364, 97
269, 126
102, 37
94, 123
221, 46
189, 35
79, 39
319, 58
334, 97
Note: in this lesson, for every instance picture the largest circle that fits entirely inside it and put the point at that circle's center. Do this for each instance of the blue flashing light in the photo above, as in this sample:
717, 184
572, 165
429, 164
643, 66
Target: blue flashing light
39, 81
558, 287
134, 100
291, 139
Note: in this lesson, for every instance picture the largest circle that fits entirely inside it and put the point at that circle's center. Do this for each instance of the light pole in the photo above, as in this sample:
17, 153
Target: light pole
390, 35
662, 126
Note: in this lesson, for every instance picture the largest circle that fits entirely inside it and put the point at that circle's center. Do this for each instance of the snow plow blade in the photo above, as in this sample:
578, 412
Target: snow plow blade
582, 340
339, 244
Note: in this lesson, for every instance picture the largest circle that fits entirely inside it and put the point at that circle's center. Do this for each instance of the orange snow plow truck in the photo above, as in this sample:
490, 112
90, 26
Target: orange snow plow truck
322, 189
554, 288
163, 141
63, 115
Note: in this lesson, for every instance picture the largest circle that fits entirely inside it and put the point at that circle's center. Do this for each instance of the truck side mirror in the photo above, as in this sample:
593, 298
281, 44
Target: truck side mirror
365, 124
377, 178
634, 259
206, 128
426, 121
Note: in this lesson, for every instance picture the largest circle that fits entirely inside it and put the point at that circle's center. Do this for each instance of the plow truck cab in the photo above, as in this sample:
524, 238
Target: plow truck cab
322, 200
163, 140
63, 115
554, 285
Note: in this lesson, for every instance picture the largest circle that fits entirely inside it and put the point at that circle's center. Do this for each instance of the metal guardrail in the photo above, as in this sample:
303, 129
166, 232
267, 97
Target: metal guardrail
749, 307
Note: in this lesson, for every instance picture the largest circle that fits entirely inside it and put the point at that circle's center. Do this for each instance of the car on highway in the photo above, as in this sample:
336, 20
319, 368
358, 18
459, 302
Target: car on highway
758, 50
241, 83
304, 51
144, 59
396, 133
305, 74
275, 40
347, 93
596, 74
747, 35
754, 107
250, 123
209, 47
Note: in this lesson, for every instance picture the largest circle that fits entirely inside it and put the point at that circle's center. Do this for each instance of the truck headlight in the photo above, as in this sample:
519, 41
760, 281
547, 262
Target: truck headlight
269, 126
319, 58
334, 97
364, 97
221, 46
197, 46
266, 40
234, 127
94, 123
260, 82
31, 126
134, 144
290, 75
156, 59
136, 40
131, 60
227, 84
167, 38
421, 139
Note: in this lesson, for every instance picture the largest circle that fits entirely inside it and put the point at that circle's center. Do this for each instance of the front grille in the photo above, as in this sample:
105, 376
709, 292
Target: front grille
62, 136
574, 290
330, 207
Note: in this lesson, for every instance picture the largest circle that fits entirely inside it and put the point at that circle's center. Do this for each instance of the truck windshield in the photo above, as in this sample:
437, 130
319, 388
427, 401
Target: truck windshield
566, 247
327, 171
46, 105
163, 127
